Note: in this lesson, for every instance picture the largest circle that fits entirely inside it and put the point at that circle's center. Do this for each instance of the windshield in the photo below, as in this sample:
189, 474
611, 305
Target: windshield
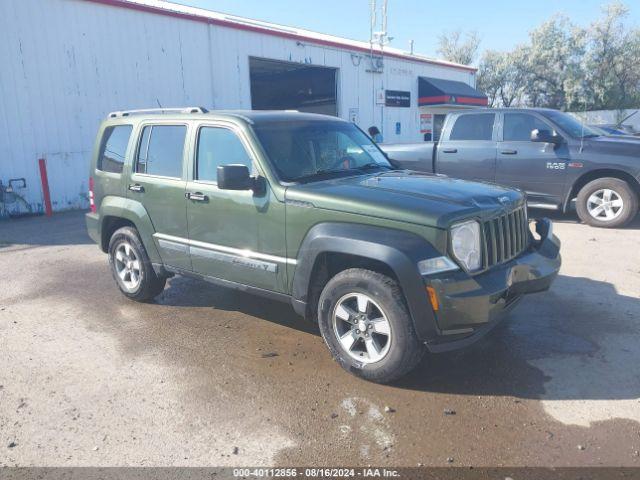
571, 125
310, 150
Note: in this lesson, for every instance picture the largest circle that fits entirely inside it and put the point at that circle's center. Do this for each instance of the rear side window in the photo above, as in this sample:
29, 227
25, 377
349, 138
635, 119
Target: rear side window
216, 147
113, 148
518, 126
161, 150
473, 127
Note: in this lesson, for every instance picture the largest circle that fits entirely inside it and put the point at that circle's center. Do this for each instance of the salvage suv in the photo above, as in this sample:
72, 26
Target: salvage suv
306, 209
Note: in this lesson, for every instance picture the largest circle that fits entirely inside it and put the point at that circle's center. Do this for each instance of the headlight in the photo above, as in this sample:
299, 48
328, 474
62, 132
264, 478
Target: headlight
465, 244
436, 265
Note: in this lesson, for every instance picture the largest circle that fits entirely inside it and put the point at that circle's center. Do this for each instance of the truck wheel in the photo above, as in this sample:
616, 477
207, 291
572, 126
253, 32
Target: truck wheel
366, 325
607, 202
131, 267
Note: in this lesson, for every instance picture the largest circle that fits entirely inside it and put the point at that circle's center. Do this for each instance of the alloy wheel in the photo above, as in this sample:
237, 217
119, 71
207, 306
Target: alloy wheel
605, 204
362, 328
127, 266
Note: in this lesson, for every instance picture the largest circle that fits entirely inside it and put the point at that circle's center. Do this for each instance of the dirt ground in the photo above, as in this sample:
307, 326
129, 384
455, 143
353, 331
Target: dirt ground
89, 378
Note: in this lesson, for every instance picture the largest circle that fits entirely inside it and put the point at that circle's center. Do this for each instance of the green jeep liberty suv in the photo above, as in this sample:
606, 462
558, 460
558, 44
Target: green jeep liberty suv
306, 209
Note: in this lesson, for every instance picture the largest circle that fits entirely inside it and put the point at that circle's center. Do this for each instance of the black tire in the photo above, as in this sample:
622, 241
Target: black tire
621, 188
149, 285
405, 350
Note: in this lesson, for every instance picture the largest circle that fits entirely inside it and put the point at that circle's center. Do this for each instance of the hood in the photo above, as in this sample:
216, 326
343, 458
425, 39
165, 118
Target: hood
617, 145
418, 198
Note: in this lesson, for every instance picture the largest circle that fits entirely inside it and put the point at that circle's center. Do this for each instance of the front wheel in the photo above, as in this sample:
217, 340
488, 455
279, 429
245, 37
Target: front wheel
366, 325
607, 202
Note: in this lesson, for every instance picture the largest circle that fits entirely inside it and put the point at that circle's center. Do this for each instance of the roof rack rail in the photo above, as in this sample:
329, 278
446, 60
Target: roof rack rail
126, 113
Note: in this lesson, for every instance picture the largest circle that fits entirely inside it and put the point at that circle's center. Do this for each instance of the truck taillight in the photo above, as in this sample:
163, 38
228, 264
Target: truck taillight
92, 203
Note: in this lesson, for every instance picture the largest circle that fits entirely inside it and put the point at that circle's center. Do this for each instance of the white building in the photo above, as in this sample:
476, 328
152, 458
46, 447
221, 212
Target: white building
67, 63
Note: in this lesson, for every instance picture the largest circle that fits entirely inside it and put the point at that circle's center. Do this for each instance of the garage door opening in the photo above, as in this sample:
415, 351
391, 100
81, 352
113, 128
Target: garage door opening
279, 85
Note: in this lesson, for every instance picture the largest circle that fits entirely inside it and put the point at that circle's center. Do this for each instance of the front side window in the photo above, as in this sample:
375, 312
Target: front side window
518, 126
161, 150
113, 148
216, 147
309, 150
473, 127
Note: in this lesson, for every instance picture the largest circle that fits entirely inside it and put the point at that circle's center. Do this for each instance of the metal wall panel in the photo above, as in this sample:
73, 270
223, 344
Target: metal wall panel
67, 63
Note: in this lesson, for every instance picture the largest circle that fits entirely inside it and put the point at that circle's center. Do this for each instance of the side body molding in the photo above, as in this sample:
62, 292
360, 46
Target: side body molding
135, 212
397, 249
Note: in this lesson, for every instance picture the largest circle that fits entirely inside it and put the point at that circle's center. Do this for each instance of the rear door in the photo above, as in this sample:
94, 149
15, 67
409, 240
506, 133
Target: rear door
468, 149
158, 181
537, 168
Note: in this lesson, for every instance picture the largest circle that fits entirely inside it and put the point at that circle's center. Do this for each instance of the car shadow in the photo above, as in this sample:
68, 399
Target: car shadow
571, 217
576, 341
580, 340
187, 292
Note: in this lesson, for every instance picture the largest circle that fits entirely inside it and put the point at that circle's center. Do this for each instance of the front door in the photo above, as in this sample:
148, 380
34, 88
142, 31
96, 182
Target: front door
537, 168
469, 151
158, 182
234, 235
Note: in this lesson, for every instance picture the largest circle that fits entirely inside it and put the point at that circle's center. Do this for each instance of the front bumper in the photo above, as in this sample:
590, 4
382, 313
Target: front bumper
470, 306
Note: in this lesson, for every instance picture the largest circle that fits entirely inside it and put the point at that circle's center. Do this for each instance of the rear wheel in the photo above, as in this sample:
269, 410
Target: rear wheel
131, 267
607, 202
367, 327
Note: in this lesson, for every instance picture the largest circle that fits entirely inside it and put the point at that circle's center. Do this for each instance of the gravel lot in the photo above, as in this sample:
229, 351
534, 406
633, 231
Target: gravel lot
89, 378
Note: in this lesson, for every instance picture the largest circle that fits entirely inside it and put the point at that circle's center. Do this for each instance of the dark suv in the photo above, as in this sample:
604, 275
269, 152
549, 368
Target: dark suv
306, 209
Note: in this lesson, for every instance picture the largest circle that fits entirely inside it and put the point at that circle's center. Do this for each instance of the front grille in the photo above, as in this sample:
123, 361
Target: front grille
505, 237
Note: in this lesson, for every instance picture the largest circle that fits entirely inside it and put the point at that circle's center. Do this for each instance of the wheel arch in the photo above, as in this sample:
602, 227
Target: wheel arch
596, 174
118, 212
330, 248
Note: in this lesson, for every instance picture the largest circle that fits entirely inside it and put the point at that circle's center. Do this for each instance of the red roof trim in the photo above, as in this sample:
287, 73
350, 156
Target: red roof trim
446, 100
267, 31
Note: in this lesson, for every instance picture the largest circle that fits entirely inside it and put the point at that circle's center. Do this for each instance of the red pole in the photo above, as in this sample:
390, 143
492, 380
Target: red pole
45, 187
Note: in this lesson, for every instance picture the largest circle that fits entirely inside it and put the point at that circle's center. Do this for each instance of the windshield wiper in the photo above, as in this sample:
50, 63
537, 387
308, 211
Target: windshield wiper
369, 166
329, 171
319, 173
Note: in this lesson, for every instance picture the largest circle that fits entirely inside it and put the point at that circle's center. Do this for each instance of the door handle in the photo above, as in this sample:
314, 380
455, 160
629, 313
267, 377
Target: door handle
449, 150
196, 196
136, 187
509, 152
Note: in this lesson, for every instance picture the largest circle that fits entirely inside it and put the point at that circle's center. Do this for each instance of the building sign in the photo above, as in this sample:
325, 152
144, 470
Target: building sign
380, 97
397, 98
426, 123
354, 115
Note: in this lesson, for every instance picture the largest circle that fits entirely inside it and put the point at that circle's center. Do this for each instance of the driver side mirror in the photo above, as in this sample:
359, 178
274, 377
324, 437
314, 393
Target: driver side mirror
545, 136
234, 177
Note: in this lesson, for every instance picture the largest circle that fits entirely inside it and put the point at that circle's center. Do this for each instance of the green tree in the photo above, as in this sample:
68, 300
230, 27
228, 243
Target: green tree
453, 47
553, 64
502, 77
612, 61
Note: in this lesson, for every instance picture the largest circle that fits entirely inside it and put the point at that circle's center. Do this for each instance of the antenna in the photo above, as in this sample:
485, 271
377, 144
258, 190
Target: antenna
619, 124
584, 118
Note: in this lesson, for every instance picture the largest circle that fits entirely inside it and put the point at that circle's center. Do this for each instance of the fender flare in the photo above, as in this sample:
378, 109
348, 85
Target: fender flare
135, 212
399, 250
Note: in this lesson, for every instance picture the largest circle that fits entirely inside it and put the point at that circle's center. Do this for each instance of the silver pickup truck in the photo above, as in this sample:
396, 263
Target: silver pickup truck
549, 154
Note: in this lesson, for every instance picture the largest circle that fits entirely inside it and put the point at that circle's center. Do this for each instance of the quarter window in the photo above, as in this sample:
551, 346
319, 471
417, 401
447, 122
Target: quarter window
518, 126
113, 148
473, 127
161, 150
216, 147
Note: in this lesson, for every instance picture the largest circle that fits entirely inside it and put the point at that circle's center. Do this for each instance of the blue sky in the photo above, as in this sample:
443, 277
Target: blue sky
501, 24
